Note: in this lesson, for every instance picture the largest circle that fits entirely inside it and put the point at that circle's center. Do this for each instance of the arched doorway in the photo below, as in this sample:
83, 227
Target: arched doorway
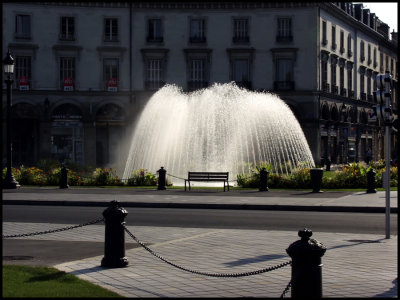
110, 119
25, 134
67, 134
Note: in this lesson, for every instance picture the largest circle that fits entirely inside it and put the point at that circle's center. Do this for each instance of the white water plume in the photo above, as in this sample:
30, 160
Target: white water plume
222, 128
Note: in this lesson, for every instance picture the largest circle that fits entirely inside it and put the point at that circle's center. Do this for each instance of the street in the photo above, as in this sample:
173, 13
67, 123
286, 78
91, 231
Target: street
372, 223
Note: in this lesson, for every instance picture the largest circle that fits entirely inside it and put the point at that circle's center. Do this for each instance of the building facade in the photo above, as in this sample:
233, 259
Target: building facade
84, 71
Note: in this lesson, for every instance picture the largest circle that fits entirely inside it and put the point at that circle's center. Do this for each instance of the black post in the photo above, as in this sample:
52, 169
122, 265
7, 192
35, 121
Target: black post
162, 179
263, 180
306, 266
316, 179
64, 178
9, 181
114, 243
371, 181
328, 164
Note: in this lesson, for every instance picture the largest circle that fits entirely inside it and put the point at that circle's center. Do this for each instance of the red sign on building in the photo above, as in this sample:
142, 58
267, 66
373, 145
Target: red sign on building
112, 85
68, 84
23, 83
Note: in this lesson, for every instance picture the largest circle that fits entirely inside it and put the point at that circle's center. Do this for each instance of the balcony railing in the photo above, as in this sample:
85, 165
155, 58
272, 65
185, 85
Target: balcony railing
335, 89
283, 85
363, 96
197, 39
240, 39
244, 84
349, 53
282, 38
325, 87
195, 85
155, 39
153, 85
370, 98
350, 94
343, 92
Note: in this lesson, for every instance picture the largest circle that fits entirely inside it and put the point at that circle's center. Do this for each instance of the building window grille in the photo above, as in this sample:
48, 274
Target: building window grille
155, 31
350, 82
23, 26
67, 28
197, 31
375, 59
67, 73
333, 76
154, 74
240, 31
23, 72
110, 30
349, 52
369, 55
111, 74
284, 30
284, 74
241, 73
197, 78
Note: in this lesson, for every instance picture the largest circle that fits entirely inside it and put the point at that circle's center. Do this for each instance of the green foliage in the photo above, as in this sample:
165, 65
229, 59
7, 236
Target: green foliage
348, 176
142, 178
105, 177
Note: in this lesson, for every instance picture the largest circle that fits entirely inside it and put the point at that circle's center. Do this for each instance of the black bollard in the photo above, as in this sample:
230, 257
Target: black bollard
371, 181
306, 266
263, 180
64, 178
162, 179
328, 164
316, 179
114, 243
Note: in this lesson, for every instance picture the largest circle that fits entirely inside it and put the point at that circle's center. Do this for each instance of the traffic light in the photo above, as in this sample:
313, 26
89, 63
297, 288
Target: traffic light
383, 97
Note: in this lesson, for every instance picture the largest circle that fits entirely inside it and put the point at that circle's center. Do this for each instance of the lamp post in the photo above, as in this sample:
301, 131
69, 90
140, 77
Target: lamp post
8, 64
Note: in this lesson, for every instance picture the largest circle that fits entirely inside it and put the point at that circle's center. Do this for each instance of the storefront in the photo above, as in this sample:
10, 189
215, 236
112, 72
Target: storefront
67, 134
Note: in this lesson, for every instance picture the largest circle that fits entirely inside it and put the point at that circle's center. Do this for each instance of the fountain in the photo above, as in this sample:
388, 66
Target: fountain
221, 128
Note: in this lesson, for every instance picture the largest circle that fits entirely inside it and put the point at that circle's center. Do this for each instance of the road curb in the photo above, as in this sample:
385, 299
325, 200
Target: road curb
319, 208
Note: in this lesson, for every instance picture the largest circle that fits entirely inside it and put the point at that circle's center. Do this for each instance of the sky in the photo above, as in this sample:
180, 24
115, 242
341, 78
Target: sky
385, 11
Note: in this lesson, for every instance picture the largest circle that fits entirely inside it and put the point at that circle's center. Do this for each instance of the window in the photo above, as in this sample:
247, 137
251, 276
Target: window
197, 32
369, 55
197, 74
284, 74
369, 91
375, 59
350, 81
23, 26
110, 30
334, 37
349, 52
284, 30
324, 71
154, 31
334, 89
67, 73
362, 84
67, 30
23, 72
240, 31
324, 37
341, 81
342, 42
111, 74
387, 63
240, 72
154, 74
362, 51
381, 60
391, 66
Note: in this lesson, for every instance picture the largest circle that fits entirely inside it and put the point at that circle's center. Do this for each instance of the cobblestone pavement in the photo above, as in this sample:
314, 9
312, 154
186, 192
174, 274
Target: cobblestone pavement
354, 265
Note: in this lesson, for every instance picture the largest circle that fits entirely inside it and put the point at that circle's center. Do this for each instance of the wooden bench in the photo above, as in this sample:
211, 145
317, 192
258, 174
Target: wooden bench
208, 176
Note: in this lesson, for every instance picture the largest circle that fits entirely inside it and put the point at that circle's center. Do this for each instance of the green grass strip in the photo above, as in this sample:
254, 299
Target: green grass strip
45, 282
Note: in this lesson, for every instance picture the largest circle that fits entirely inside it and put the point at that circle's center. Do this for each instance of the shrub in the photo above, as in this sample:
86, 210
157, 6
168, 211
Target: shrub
142, 178
105, 177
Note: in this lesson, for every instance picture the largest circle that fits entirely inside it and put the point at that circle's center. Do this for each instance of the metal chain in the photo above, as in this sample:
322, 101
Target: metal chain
206, 273
286, 289
54, 230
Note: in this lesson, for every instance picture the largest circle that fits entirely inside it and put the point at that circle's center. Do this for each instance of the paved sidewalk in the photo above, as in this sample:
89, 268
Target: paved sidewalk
354, 265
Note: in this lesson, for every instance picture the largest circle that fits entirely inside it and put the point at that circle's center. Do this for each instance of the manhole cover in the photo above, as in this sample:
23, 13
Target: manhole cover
17, 257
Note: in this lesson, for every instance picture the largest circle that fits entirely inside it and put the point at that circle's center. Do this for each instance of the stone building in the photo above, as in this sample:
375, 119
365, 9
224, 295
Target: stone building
85, 70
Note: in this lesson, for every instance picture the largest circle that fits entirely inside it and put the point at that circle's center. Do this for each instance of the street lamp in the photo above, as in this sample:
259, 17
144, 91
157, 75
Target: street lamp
8, 64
